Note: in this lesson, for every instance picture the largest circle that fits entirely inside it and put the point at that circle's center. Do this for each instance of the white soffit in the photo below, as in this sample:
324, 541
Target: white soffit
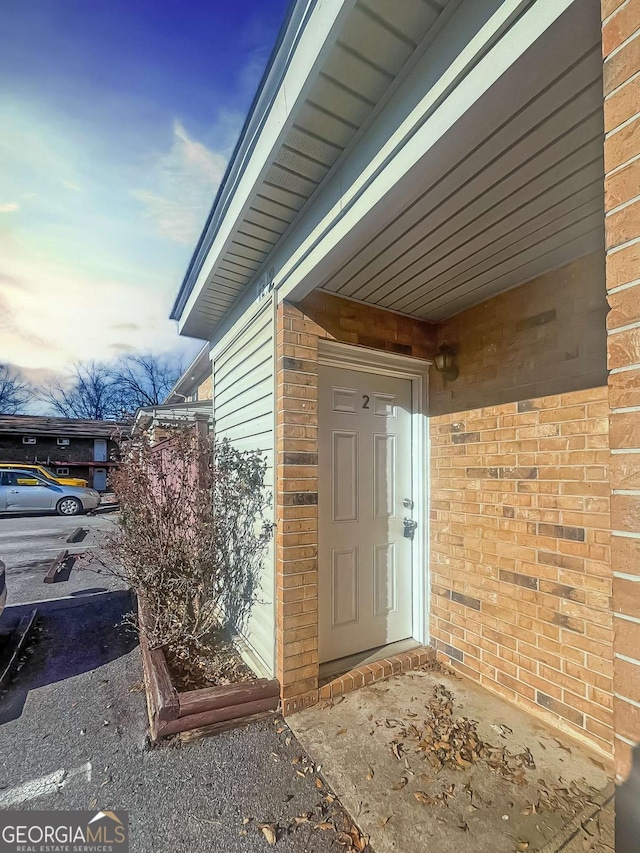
525, 200
512, 190
373, 45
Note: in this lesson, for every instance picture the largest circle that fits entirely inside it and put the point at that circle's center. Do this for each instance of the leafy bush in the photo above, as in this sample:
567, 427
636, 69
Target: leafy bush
192, 535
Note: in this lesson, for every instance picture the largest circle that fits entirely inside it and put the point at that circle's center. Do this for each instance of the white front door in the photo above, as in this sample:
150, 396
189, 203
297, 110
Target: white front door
364, 475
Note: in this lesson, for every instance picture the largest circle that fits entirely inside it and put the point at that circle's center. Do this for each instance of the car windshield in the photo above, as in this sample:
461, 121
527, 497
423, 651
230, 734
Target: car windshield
47, 472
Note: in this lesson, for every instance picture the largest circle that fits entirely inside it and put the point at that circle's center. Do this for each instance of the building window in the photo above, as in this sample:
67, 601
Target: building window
28, 439
63, 441
62, 472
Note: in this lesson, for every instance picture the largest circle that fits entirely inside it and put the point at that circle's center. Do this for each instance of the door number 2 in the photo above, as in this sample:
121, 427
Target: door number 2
365, 404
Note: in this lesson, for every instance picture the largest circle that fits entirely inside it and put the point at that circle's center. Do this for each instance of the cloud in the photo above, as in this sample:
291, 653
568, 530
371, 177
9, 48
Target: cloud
187, 177
9, 208
58, 315
70, 185
119, 347
125, 327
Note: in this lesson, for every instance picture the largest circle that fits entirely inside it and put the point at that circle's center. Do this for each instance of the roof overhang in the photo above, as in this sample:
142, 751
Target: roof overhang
171, 414
199, 368
334, 65
467, 164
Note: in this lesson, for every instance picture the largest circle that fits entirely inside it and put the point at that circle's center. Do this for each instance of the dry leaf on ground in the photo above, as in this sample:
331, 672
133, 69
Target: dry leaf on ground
270, 832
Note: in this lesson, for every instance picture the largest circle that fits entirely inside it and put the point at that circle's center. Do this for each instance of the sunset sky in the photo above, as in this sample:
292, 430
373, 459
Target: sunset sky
117, 117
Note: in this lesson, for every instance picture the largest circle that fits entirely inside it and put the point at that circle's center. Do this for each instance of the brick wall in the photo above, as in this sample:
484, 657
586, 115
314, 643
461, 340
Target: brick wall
205, 389
520, 499
545, 337
520, 562
368, 326
299, 330
78, 450
621, 51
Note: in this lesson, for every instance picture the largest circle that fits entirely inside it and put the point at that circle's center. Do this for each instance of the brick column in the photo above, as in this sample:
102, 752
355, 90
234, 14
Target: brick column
621, 52
297, 510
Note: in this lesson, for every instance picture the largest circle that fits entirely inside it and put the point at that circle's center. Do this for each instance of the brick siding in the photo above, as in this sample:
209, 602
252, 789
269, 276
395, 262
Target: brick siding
519, 494
205, 389
47, 451
621, 52
545, 337
299, 329
520, 561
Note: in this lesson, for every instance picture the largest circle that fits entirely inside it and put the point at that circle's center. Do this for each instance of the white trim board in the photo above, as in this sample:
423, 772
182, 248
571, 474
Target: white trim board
349, 357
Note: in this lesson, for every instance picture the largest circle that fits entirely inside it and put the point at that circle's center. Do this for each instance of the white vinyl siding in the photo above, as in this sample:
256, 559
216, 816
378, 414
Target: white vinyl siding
243, 406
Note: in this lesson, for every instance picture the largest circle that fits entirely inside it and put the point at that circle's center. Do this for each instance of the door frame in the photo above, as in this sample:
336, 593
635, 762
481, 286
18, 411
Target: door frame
350, 357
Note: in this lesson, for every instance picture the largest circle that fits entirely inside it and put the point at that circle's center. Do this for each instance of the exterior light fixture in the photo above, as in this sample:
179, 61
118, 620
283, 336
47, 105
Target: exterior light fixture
445, 362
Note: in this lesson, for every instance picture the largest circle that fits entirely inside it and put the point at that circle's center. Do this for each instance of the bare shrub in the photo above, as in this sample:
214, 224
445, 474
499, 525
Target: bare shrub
192, 536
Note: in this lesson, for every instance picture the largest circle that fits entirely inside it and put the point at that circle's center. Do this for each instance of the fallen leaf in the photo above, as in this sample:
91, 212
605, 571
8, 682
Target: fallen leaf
427, 800
400, 784
562, 746
341, 732
319, 783
396, 749
384, 822
462, 762
270, 832
324, 826
521, 846
245, 820
370, 774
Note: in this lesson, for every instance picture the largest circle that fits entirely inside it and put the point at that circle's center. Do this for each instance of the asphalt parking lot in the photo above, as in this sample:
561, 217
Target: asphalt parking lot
73, 725
28, 544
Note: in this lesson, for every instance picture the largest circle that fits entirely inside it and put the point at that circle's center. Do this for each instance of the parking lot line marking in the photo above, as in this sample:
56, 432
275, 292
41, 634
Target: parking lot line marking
21, 533
44, 785
85, 548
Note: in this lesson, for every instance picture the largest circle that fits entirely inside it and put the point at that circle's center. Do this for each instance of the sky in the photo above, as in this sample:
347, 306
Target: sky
117, 119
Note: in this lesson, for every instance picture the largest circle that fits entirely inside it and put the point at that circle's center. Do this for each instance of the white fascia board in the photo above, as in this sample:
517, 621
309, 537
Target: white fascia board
469, 78
320, 34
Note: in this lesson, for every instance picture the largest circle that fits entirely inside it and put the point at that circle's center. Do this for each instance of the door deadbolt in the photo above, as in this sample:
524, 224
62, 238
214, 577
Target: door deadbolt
407, 503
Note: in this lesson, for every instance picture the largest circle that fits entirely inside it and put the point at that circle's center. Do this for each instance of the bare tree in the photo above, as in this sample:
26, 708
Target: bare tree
89, 393
15, 392
111, 391
146, 379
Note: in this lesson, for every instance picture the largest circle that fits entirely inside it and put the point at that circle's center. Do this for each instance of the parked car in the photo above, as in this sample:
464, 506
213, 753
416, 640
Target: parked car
25, 491
47, 473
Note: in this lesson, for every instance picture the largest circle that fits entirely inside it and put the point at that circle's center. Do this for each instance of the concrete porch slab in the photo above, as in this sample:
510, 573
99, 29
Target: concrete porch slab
489, 807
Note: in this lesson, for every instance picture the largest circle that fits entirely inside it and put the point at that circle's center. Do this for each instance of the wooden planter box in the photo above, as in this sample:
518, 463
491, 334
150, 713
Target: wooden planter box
209, 710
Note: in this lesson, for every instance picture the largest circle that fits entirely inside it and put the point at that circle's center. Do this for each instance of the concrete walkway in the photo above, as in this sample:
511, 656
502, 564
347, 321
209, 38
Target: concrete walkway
375, 750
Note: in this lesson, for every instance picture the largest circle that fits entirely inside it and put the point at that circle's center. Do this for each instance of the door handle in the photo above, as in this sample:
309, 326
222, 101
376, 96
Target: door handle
409, 528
